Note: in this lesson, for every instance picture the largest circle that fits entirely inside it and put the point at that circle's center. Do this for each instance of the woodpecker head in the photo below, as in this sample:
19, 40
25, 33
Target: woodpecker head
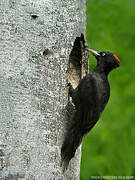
107, 60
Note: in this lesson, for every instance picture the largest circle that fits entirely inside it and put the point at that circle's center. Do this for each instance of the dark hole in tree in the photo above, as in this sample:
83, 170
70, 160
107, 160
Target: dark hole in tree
78, 61
34, 16
46, 52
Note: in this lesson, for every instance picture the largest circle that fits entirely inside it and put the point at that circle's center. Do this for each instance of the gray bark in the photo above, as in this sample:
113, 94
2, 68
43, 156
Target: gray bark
36, 38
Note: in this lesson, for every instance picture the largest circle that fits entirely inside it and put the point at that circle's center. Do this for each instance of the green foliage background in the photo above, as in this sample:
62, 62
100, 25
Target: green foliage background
109, 149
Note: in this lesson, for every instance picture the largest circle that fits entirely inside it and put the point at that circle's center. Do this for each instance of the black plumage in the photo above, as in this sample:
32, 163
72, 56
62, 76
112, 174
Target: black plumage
90, 98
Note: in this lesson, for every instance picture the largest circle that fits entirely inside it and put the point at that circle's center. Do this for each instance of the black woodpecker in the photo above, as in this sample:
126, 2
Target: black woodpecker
90, 98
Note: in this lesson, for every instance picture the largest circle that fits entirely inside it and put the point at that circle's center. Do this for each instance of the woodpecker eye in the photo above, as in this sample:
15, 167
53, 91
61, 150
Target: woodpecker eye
103, 54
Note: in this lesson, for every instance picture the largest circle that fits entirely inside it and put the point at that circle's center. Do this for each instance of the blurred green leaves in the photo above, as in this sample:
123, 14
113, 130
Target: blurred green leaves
108, 150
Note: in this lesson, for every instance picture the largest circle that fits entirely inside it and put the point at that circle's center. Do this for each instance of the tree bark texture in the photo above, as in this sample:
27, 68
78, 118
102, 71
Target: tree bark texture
36, 39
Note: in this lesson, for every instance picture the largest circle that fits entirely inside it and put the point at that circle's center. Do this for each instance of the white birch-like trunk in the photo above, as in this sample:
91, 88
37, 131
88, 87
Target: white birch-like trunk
36, 38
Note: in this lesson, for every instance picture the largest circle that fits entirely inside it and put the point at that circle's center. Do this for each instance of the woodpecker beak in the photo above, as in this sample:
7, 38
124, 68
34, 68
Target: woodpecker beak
95, 53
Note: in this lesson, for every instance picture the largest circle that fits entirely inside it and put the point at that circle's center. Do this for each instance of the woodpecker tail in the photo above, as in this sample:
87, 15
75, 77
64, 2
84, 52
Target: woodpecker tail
81, 123
68, 149
72, 140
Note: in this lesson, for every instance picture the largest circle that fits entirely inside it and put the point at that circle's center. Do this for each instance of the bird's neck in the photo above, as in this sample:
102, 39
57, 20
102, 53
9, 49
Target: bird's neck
101, 69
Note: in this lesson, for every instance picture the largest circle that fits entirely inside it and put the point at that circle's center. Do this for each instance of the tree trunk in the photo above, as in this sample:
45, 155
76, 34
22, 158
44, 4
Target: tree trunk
36, 38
